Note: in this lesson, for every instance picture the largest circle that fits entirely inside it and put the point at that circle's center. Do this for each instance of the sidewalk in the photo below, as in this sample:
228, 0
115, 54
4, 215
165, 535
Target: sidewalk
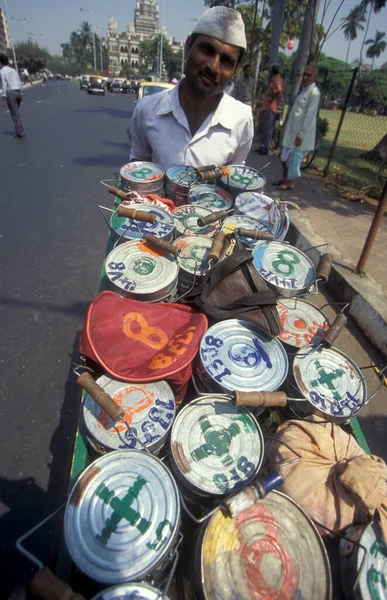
326, 217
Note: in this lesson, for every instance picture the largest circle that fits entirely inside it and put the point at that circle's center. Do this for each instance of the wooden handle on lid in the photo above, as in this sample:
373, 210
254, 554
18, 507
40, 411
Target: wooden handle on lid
335, 329
136, 215
324, 267
255, 234
117, 192
258, 399
158, 244
217, 246
101, 397
204, 169
220, 215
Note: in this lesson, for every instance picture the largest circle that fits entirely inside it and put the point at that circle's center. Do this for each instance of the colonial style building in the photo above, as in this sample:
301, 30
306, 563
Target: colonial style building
4, 35
125, 47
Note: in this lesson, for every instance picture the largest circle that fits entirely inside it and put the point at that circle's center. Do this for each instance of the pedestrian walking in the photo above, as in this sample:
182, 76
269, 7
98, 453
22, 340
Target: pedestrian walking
196, 123
300, 130
26, 75
11, 93
269, 109
244, 87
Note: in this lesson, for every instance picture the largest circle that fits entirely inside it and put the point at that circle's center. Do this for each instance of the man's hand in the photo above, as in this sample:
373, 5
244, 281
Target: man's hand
3, 102
298, 141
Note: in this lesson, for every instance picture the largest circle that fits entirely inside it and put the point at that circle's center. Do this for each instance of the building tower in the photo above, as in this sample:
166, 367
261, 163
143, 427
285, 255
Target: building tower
4, 34
146, 18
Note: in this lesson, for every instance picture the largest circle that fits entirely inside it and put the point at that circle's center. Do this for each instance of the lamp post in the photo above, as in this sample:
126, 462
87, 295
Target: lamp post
161, 43
92, 24
100, 47
10, 35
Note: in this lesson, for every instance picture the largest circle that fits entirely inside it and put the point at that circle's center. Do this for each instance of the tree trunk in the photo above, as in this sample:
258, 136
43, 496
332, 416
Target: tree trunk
304, 44
365, 34
349, 45
277, 21
378, 153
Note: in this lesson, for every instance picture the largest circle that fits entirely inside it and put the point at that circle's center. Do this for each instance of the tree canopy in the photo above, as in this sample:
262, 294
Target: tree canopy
31, 56
149, 55
78, 51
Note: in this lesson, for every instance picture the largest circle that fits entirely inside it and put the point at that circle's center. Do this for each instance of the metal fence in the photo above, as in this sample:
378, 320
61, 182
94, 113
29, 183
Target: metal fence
353, 151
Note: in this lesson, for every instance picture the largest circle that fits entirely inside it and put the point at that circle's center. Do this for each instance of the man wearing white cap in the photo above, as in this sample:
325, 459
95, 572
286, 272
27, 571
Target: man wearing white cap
196, 123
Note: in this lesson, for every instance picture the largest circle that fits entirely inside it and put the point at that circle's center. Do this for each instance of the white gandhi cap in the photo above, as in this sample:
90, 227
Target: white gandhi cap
223, 24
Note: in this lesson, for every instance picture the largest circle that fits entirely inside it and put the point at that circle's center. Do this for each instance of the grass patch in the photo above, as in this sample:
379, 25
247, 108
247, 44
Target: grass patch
359, 134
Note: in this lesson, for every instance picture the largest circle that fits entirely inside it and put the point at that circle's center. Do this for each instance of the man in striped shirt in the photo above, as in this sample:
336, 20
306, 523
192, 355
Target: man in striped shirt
11, 93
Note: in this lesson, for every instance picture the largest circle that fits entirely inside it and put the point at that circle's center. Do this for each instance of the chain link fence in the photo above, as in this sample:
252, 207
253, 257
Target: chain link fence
353, 121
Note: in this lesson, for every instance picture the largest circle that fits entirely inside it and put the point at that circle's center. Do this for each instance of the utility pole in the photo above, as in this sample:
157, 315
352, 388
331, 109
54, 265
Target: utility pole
92, 25
161, 43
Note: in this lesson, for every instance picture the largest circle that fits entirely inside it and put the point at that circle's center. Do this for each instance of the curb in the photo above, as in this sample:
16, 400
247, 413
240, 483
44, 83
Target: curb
367, 303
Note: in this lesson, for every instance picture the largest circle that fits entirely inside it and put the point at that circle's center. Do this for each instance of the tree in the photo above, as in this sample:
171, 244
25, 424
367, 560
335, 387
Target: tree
373, 6
377, 46
335, 75
227, 3
149, 56
370, 90
78, 52
353, 23
31, 56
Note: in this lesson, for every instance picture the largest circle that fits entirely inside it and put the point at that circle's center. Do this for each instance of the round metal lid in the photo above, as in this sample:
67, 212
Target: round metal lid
303, 323
186, 220
244, 178
210, 196
122, 517
142, 172
149, 410
182, 175
253, 204
373, 577
269, 550
131, 591
162, 227
240, 357
135, 267
284, 266
330, 380
238, 221
193, 247
216, 446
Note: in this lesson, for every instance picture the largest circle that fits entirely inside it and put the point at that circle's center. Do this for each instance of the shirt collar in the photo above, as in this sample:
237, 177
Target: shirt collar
222, 115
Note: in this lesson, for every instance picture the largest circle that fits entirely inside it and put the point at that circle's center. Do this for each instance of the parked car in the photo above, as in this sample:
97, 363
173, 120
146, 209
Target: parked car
84, 82
96, 85
148, 88
119, 86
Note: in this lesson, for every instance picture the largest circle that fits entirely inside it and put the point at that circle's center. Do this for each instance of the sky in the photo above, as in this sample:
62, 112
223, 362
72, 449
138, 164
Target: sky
51, 21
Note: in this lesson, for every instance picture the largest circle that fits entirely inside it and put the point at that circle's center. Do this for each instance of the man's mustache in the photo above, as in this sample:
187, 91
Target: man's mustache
208, 74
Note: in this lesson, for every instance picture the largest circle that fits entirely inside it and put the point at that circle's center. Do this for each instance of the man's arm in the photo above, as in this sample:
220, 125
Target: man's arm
3, 89
140, 149
246, 139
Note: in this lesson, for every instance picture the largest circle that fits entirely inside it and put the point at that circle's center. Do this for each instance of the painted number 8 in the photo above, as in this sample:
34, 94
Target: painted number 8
239, 178
141, 173
285, 261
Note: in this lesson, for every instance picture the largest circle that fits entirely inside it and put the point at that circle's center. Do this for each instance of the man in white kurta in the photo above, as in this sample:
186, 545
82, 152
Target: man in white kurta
300, 130
197, 123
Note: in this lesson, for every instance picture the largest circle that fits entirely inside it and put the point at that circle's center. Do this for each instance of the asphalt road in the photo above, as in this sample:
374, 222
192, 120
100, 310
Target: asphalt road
52, 243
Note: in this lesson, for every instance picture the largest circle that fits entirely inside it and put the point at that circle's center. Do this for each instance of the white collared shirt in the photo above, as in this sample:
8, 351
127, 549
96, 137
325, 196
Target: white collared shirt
10, 80
160, 133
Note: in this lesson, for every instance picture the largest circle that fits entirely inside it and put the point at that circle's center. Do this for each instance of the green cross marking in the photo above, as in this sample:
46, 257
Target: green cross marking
373, 579
378, 547
217, 441
122, 509
327, 378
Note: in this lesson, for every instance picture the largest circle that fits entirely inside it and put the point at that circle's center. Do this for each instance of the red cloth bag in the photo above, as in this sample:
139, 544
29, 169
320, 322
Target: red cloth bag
139, 342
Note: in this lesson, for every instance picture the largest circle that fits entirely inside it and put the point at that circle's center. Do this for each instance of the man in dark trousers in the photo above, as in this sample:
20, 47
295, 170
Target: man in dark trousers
11, 93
